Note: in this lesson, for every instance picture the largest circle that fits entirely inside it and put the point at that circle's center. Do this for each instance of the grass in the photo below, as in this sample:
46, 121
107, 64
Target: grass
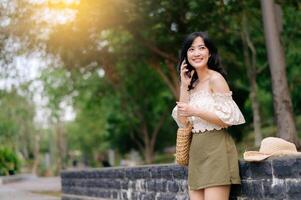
164, 158
49, 193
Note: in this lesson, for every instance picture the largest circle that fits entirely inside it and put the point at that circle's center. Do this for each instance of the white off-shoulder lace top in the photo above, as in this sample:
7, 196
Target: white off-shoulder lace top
221, 104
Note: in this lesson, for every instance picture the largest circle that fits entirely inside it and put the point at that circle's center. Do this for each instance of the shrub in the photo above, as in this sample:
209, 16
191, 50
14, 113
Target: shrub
9, 161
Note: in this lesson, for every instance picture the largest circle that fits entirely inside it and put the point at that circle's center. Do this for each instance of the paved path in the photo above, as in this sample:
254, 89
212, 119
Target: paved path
31, 189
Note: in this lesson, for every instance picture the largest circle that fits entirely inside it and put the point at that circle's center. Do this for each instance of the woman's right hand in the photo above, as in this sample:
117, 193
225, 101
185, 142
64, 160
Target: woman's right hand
185, 79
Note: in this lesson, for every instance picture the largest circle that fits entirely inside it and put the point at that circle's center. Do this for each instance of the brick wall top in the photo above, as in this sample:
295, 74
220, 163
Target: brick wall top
168, 171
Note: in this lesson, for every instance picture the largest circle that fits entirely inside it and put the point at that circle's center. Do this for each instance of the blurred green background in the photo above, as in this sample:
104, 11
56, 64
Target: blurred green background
92, 83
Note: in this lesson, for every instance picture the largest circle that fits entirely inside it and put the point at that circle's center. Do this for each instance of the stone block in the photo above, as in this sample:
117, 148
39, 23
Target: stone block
183, 185
124, 184
123, 195
67, 182
102, 193
166, 172
133, 196
147, 196
179, 172
252, 189
98, 183
160, 185
137, 173
298, 166
285, 167
110, 173
274, 189
132, 185
115, 184
293, 188
182, 196
155, 173
141, 185
151, 185
130, 173
166, 196
172, 186
114, 194
72, 190
261, 170
244, 170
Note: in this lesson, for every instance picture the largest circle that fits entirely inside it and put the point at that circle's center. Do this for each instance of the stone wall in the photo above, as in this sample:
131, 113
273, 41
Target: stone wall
277, 178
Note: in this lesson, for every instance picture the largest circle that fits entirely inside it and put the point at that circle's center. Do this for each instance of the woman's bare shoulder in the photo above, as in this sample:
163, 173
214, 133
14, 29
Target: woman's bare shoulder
218, 82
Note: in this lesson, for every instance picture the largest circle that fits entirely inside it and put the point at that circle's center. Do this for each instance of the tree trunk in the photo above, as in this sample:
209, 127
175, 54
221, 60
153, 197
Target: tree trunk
148, 152
61, 146
36, 154
286, 127
148, 155
251, 67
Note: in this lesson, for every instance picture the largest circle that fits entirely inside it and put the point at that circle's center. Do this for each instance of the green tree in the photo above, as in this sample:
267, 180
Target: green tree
281, 96
17, 129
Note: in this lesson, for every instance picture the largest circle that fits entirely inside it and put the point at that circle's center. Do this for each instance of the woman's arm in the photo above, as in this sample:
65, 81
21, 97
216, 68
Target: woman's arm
184, 93
185, 110
218, 85
184, 98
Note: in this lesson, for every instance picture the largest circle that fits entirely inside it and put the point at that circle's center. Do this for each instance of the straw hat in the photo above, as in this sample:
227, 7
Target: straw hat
271, 146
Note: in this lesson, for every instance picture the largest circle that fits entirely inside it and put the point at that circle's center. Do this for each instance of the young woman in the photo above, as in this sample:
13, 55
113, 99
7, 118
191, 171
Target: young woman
206, 102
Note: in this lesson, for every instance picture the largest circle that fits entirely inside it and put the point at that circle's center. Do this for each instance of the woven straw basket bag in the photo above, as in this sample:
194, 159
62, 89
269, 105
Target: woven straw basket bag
184, 136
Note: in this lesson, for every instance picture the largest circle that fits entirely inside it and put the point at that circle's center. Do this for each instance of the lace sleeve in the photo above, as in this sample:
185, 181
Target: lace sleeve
226, 109
174, 115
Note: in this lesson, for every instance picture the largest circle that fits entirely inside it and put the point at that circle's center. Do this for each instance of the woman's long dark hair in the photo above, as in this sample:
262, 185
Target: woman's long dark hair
213, 61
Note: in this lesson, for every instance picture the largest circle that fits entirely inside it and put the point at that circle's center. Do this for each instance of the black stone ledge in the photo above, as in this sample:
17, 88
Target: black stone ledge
166, 171
273, 178
285, 166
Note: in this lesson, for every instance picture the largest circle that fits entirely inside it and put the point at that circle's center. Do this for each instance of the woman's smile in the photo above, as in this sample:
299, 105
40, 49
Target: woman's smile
198, 53
197, 60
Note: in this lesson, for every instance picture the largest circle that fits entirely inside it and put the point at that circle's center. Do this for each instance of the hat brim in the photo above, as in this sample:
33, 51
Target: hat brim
255, 156
258, 156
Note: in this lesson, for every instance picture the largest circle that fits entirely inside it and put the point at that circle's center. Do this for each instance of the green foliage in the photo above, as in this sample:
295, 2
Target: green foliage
9, 161
8, 126
88, 131
131, 42
57, 87
292, 44
143, 99
16, 122
136, 44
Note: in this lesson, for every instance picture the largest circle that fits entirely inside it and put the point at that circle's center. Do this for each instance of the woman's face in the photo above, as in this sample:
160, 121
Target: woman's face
198, 53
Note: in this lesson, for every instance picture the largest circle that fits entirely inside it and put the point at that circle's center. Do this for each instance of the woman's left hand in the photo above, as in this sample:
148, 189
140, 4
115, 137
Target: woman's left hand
185, 110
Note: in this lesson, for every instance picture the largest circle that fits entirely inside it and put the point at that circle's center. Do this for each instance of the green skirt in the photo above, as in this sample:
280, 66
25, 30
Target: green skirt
213, 160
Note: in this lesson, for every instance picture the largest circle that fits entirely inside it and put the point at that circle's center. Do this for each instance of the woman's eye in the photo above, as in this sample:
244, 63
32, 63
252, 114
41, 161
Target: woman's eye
190, 50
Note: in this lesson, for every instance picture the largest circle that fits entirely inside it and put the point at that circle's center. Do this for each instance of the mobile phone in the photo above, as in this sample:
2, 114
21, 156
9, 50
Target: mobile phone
188, 73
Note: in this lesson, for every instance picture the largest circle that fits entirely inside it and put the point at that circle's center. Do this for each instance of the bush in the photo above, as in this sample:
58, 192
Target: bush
9, 161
